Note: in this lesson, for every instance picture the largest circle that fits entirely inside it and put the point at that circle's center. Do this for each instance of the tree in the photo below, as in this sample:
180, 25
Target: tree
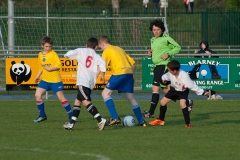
233, 3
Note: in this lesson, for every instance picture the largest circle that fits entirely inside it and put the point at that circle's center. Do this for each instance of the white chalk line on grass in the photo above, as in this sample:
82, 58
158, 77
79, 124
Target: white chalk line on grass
99, 157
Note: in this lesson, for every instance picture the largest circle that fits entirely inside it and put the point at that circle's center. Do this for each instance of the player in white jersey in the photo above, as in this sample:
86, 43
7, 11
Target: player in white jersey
89, 66
179, 90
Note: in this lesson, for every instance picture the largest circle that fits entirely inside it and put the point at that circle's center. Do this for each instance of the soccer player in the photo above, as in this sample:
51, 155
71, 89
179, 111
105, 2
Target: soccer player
162, 49
179, 90
49, 66
122, 66
89, 66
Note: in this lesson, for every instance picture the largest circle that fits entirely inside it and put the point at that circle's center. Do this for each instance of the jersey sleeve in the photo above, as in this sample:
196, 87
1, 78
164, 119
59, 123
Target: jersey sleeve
130, 59
39, 63
101, 63
105, 57
175, 46
192, 85
166, 77
72, 54
57, 62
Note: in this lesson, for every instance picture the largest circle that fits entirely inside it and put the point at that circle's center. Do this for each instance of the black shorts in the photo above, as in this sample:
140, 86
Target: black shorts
84, 93
158, 71
177, 95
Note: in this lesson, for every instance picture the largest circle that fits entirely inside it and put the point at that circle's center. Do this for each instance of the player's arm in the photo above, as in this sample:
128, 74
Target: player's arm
175, 49
72, 54
38, 76
149, 51
55, 66
131, 62
194, 87
50, 68
101, 67
40, 70
166, 78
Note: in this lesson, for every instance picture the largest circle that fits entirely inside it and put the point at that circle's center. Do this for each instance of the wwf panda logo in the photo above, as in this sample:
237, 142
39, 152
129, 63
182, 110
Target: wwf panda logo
20, 72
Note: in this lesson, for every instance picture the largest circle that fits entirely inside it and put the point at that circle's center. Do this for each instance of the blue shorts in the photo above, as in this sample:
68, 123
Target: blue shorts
122, 83
55, 87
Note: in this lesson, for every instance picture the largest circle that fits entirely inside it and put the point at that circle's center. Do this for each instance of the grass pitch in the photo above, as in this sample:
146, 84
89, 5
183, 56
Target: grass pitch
215, 133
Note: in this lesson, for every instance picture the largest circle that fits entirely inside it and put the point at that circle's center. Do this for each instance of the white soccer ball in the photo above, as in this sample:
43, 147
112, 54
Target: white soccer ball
129, 121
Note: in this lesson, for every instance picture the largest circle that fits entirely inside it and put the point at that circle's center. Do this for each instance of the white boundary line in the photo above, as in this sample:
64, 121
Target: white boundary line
97, 156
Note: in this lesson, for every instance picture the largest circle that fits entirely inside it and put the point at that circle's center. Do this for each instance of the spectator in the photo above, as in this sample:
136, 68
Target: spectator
185, 2
145, 3
163, 4
191, 4
115, 7
204, 49
156, 5
194, 73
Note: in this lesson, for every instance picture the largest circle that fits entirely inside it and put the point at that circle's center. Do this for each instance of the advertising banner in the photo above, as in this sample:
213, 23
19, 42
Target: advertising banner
20, 74
208, 73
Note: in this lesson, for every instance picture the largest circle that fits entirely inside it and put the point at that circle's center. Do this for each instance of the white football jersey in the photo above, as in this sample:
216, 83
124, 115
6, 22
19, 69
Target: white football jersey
182, 82
88, 60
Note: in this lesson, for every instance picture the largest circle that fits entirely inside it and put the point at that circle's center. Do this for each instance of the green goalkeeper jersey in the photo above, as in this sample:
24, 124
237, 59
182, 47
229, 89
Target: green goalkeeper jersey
163, 45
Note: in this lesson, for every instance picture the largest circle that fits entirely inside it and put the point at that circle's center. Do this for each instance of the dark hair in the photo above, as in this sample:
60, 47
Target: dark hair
104, 39
174, 65
47, 39
157, 23
92, 42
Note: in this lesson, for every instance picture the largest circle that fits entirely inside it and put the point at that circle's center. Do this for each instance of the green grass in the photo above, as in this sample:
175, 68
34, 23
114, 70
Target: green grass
215, 133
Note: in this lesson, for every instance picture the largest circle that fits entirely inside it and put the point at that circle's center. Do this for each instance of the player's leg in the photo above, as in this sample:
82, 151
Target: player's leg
136, 109
158, 72
183, 98
41, 89
94, 112
127, 85
154, 102
76, 111
189, 104
57, 88
112, 84
163, 109
185, 113
170, 95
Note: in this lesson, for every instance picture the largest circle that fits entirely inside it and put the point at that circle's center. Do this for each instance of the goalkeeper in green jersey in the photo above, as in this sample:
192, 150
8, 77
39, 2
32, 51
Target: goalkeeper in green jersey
162, 49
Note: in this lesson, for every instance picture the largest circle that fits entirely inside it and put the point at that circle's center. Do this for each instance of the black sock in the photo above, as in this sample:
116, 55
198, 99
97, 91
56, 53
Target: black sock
163, 110
186, 115
187, 102
94, 112
154, 102
76, 112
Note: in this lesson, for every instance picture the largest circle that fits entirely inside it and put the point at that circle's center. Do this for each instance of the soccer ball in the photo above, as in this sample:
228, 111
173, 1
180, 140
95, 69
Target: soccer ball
129, 121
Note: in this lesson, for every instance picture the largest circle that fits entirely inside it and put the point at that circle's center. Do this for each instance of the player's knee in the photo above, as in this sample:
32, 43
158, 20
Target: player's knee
106, 93
183, 104
163, 103
38, 96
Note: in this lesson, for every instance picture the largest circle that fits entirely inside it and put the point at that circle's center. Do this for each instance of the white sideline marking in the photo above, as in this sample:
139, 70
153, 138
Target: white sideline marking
99, 157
